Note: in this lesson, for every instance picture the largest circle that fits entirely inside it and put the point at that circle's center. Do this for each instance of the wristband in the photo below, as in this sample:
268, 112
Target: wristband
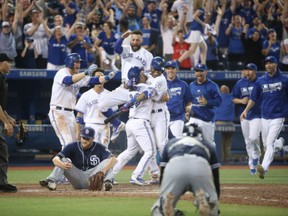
80, 120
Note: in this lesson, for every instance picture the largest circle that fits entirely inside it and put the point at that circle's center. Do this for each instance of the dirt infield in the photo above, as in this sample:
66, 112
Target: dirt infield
247, 194
261, 195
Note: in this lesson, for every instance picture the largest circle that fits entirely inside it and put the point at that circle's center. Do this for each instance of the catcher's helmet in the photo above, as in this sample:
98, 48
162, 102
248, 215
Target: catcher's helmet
158, 63
71, 58
192, 129
134, 73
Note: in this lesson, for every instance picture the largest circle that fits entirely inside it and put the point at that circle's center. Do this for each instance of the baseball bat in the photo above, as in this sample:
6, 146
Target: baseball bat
112, 117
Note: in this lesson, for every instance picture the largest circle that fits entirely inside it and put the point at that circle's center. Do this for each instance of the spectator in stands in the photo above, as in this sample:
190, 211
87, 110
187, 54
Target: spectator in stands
177, 10
36, 30
29, 54
57, 49
236, 49
195, 35
224, 116
180, 47
132, 12
247, 10
257, 25
284, 55
222, 38
168, 29
86, 8
118, 6
271, 46
150, 35
252, 47
6, 125
80, 43
68, 9
94, 22
104, 45
7, 40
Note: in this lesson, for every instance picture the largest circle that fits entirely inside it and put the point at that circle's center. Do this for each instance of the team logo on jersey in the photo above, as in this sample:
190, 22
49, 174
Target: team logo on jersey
94, 160
244, 91
175, 91
272, 87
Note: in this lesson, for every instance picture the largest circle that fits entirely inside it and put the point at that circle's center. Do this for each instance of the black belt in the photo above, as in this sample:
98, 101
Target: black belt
157, 110
139, 118
63, 108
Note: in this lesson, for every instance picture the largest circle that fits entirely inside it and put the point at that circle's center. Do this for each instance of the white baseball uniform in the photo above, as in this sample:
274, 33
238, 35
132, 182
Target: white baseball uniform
92, 116
62, 103
129, 58
139, 135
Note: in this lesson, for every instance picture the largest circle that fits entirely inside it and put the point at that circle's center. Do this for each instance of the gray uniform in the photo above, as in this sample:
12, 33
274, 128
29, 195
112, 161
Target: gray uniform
188, 164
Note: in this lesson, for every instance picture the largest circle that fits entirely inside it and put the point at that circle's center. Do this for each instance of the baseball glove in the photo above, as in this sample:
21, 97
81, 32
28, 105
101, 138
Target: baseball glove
22, 135
96, 181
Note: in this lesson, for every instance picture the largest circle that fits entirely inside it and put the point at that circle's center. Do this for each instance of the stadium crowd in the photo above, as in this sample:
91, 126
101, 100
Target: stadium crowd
39, 33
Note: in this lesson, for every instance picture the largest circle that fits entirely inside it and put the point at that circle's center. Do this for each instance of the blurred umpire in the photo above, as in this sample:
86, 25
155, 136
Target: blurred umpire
189, 164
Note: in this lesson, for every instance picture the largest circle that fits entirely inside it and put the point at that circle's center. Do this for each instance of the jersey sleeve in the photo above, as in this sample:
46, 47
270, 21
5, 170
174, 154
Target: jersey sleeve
81, 104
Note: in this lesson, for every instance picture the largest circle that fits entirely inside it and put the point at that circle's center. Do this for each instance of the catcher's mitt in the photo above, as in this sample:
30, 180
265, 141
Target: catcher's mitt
96, 181
22, 135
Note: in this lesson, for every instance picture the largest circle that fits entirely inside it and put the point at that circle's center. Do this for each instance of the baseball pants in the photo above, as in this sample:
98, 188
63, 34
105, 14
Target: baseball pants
102, 133
176, 128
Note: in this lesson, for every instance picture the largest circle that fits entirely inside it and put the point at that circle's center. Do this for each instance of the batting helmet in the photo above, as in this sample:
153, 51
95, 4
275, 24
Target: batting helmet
134, 73
192, 129
158, 63
71, 58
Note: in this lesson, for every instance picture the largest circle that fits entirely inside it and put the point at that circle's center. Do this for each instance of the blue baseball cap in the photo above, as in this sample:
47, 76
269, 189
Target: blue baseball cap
271, 30
171, 63
251, 66
271, 59
88, 132
200, 67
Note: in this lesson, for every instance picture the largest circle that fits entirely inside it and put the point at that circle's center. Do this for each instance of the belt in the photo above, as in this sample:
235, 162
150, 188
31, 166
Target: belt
139, 118
157, 110
63, 108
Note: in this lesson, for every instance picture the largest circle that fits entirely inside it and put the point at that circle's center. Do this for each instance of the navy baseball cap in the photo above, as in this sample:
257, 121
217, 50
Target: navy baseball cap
271, 59
251, 66
88, 132
172, 64
200, 67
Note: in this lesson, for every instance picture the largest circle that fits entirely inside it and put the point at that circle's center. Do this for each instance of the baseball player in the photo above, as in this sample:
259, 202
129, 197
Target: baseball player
272, 88
251, 126
189, 164
160, 115
131, 55
138, 130
89, 112
80, 160
180, 99
205, 97
66, 85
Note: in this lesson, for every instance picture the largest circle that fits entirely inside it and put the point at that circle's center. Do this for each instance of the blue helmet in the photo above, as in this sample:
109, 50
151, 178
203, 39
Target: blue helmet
158, 63
134, 73
71, 58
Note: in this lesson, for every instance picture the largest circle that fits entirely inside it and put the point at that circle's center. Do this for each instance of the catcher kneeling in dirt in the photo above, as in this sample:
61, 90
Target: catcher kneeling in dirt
86, 164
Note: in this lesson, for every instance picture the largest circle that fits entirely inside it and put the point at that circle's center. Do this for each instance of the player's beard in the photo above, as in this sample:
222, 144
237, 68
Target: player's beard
136, 47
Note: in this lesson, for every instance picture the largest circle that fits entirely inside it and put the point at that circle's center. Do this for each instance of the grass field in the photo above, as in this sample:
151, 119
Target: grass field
105, 206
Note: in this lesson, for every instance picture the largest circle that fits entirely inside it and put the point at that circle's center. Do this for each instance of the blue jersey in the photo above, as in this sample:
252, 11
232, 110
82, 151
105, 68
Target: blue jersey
274, 50
57, 50
274, 94
225, 112
235, 43
69, 18
195, 26
255, 112
155, 17
180, 95
108, 44
188, 145
240, 90
88, 158
222, 38
210, 91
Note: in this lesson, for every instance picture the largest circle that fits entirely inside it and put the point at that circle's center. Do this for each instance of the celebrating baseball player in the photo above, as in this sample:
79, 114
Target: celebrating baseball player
189, 164
272, 88
66, 85
89, 113
138, 130
205, 97
251, 126
180, 99
86, 164
131, 55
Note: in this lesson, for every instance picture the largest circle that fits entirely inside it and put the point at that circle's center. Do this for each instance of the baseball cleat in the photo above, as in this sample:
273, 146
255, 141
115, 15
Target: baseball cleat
253, 171
48, 183
261, 171
168, 209
116, 131
203, 206
108, 185
138, 181
154, 179
8, 188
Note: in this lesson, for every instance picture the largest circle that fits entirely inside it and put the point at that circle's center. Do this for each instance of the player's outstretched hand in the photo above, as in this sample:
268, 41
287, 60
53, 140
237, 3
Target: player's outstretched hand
91, 69
128, 104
